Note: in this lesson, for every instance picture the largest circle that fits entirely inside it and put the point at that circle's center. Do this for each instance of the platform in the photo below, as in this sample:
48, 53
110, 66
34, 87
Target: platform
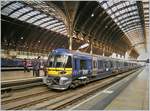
128, 94
135, 96
13, 75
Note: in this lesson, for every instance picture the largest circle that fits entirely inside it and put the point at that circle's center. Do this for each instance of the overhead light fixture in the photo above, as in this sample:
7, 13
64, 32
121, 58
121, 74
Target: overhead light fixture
83, 46
92, 15
21, 37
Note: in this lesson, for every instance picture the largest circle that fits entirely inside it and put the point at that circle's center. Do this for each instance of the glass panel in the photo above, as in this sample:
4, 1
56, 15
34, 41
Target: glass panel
60, 30
29, 15
109, 12
41, 21
15, 5
45, 24
6, 11
57, 60
114, 9
3, 3
53, 25
16, 14
26, 9
32, 20
117, 13
58, 27
105, 6
119, 6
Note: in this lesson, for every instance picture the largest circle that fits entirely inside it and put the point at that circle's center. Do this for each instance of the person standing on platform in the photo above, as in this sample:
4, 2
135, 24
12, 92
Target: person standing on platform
33, 66
25, 65
44, 68
37, 66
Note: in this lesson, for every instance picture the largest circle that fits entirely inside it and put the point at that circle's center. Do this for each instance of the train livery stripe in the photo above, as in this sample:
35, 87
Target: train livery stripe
56, 71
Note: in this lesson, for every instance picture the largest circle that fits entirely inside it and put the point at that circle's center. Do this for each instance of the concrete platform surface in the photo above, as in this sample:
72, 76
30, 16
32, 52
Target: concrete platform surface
12, 75
135, 96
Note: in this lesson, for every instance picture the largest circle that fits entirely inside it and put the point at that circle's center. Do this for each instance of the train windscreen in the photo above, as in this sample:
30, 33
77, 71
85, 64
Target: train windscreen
59, 61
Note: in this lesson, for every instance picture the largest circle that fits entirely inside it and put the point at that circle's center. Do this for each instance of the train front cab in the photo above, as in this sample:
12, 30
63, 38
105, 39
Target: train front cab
59, 70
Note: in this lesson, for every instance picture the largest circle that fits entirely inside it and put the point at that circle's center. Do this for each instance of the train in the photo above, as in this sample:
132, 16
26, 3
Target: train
69, 69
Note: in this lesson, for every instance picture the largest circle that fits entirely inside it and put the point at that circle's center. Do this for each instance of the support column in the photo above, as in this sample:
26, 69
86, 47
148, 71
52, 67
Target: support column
70, 42
103, 50
70, 36
91, 47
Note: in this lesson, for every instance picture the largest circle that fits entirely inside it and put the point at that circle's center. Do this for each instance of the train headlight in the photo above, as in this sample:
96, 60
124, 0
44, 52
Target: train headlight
63, 80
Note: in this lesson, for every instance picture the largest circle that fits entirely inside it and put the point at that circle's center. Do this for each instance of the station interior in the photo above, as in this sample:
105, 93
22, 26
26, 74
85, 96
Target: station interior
105, 61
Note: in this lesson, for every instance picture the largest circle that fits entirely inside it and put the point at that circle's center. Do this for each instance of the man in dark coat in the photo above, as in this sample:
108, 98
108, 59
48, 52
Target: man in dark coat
37, 66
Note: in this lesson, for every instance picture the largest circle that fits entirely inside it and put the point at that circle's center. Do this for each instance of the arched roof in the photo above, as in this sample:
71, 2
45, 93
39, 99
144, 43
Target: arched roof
112, 26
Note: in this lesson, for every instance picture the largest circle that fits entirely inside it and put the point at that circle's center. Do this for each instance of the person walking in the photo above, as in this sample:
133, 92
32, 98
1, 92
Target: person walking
33, 66
25, 65
44, 68
37, 67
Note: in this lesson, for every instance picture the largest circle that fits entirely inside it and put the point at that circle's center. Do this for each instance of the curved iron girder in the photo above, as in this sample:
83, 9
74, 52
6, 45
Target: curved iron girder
114, 36
46, 21
128, 21
130, 16
125, 13
51, 24
60, 40
77, 21
123, 8
98, 21
8, 4
105, 17
59, 11
114, 5
131, 28
110, 30
34, 38
104, 30
32, 16
51, 46
17, 10
56, 26
103, 26
95, 22
89, 19
10, 35
39, 19
130, 25
141, 13
25, 13
44, 38
49, 41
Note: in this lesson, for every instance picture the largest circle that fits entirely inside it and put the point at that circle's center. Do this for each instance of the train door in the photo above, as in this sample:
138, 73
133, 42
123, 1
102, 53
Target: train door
95, 66
100, 66
76, 67
85, 67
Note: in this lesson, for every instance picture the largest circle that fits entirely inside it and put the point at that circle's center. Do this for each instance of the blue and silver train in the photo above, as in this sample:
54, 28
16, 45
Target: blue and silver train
68, 69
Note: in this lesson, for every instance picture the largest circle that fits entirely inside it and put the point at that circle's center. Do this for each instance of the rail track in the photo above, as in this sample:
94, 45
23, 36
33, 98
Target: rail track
40, 97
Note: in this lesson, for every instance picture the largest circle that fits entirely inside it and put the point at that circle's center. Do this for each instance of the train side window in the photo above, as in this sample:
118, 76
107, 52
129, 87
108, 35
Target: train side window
100, 64
69, 62
83, 64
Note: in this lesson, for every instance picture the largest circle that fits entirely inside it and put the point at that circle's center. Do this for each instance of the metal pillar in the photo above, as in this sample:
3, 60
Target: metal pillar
70, 36
70, 42
91, 47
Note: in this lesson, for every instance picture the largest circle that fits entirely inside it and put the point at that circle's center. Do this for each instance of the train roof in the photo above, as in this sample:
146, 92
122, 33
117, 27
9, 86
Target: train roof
77, 52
